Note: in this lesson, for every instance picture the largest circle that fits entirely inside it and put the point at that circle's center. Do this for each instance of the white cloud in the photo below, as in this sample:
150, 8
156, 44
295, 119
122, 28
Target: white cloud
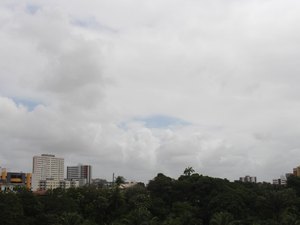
227, 68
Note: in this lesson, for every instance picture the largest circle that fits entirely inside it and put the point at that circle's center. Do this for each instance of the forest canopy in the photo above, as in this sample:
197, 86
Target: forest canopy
191, 199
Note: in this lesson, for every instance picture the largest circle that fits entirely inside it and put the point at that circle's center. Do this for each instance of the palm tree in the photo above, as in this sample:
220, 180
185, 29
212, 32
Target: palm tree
188, 171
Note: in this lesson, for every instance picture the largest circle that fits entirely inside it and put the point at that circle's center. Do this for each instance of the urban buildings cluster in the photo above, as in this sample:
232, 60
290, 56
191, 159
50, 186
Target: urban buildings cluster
48, 172
248, 178
283, 179
278, 181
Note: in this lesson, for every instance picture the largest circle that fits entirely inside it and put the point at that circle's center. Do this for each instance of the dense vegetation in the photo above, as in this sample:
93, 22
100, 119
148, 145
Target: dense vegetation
192, 199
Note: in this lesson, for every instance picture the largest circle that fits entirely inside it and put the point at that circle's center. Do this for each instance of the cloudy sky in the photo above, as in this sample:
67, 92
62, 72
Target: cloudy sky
138, 87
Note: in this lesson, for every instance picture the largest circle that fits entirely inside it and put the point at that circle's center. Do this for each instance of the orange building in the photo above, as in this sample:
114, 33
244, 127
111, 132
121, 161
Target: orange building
10, 180
296, 171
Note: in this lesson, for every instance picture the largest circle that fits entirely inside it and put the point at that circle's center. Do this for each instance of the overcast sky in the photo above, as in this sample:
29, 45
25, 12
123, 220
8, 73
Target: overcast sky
138, 87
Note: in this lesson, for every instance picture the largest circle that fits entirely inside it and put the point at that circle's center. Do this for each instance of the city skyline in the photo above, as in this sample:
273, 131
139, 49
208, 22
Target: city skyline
82, 173
140, 87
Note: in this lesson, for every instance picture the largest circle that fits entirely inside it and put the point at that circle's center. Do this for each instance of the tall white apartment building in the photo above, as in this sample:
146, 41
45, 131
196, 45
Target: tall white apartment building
46, 167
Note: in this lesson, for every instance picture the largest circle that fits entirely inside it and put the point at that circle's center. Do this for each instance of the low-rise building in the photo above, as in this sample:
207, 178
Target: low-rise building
248, 179
128, 185
279, 181
101, 183
13, 180
66, 184
49, 184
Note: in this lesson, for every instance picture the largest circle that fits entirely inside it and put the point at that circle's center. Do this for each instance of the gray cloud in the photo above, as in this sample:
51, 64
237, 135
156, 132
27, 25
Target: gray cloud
227, 68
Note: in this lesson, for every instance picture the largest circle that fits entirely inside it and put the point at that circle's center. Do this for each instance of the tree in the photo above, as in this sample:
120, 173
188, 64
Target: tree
185, 213
30, 203
11, 210
230, 202
222, 218
273, 203
188, 171
139, 216
71, 219
93, 203
294, 182
120, 180
57, 201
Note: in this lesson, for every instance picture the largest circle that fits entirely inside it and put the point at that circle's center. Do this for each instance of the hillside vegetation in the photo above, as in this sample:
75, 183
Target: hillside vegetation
192, 199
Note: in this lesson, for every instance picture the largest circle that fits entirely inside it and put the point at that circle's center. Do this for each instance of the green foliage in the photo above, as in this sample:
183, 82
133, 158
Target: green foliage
188, 171
120, 180
31, 206
272, 204
222, 218
192, 199
11, 209
71, 219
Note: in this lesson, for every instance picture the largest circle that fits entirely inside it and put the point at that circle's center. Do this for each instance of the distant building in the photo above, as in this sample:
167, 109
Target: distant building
248, 179
7, 187
296, 171
101, 183
279, 181
66, 184
128, 185
81, 173
47, 171
50, 184
13, 180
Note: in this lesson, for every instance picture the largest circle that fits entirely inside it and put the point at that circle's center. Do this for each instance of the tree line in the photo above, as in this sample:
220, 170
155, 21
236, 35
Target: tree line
191, 199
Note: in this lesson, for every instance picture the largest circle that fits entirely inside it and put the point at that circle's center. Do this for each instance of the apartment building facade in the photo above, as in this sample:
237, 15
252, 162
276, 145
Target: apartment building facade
81, 173
47, 167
